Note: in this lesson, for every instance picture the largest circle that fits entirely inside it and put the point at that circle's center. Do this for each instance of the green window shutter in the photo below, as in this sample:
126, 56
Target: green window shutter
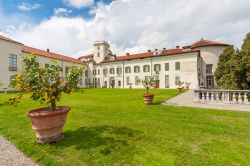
166, 66
177, 65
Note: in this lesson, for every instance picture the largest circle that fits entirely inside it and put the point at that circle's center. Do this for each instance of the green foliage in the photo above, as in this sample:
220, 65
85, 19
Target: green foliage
179, 83
233, 71
45, 84
187, 85
147, 83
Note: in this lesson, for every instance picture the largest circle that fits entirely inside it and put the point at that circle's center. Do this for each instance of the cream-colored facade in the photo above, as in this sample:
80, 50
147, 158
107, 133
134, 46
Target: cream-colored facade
7, 49
11, 54
193, 64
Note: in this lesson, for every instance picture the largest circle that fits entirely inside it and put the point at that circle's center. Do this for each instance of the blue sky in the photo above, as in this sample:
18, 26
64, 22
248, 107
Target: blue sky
71, 26
46, 8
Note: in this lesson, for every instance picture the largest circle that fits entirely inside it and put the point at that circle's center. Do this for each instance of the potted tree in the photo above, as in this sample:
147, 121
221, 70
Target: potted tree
46, 85
179, 83
148, 83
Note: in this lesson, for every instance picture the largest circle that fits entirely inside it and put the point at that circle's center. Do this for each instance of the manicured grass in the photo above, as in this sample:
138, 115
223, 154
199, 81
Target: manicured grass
114, 127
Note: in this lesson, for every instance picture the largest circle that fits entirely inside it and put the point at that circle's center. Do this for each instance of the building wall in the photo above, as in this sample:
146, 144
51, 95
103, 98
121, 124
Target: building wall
7, 48
209, 55
187, 72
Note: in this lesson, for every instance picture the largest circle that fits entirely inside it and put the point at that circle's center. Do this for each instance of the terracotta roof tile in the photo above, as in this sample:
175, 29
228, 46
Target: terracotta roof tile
8, 39
168, 52
35, 51
203, 42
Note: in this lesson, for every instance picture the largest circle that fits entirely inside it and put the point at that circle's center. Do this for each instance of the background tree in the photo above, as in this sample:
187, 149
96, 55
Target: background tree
233, 71
245, 52
224, 74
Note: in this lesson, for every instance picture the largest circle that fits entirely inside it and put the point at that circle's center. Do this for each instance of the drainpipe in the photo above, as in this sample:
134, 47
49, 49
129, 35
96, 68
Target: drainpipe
151, 67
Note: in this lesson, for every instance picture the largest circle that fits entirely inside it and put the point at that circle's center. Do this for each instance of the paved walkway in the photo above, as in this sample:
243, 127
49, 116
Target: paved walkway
186, 99
11, 156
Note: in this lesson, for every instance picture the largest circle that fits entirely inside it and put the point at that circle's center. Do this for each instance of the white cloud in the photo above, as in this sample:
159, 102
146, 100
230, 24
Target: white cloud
62, 12
79, 3
137, 25
27, 6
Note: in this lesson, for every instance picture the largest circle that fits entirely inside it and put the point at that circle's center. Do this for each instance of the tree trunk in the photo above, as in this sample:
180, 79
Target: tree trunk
53, 105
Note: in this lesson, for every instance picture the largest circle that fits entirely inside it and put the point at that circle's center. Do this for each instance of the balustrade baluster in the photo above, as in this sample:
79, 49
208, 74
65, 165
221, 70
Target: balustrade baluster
212, 96
234, 98
240, 100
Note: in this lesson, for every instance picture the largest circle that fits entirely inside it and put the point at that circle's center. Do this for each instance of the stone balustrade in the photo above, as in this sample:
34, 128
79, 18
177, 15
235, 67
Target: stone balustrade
222, 96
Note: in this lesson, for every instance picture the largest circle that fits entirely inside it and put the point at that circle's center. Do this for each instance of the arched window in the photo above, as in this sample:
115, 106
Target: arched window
127, 69
157, 67
146, 68
137, 69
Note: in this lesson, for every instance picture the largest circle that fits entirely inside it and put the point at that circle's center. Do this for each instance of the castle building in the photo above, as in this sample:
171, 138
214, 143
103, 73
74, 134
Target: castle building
194, 64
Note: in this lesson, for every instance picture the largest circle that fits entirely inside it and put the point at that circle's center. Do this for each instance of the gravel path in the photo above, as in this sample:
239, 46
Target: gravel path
186, 99
11, 156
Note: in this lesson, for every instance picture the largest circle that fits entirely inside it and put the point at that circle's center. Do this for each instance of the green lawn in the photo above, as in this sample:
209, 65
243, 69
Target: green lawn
114, 127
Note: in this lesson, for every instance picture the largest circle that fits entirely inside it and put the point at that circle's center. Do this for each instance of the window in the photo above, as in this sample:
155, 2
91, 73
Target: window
66, 70
146, 68
177, 78
46, 65
94, 71
157, 67
119, 83
137, 69
127, 81
177, 65
98, 54
12, 77
80, 81
86, 73
136, 80
12, 62
86, 81
146, 77
166, 66
127, 70
166, 81
98, 48
119, 70
98, 71
98, 81
105, 72
209, 69
112, 71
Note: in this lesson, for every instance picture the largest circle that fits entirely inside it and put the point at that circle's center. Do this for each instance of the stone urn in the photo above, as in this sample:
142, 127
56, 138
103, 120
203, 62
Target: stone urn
48, 124
148, 98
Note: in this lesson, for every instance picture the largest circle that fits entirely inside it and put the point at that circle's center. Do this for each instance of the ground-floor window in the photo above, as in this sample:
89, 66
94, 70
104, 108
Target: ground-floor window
177, 78
136, 80
127, 81
210, 81
167, 81
119, 83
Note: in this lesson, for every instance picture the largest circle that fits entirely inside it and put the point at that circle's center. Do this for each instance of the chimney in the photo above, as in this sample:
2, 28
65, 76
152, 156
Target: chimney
177, 47
127, 54
47, 49
149, 50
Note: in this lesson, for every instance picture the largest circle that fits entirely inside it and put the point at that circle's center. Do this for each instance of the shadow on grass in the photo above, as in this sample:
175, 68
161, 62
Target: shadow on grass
110, 141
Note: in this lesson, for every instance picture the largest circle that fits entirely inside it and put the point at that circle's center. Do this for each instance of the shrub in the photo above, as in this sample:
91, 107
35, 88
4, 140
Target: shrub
45, 84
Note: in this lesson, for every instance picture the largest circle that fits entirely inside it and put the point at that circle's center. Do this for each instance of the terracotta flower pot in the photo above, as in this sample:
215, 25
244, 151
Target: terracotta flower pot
48, 125
148, 98
180, 89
